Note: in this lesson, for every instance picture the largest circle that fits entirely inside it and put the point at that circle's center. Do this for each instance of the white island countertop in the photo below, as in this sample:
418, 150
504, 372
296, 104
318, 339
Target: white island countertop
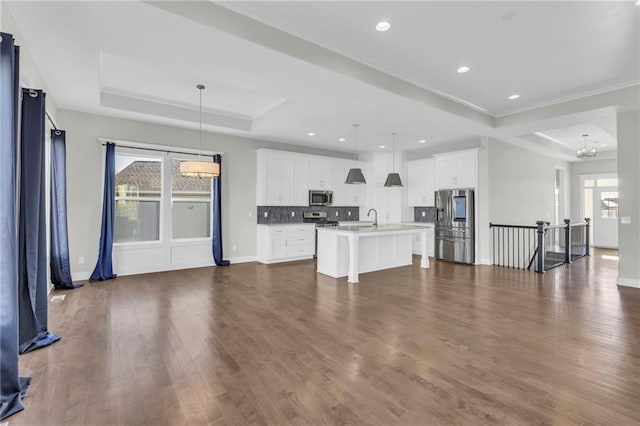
351, 249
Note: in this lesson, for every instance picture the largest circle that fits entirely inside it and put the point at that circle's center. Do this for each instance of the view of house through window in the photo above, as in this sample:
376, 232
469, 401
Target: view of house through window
138, 196
139, 199
190, 205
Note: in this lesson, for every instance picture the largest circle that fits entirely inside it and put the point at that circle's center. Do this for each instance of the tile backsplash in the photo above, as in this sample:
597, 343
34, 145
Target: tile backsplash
293, 214
424, 214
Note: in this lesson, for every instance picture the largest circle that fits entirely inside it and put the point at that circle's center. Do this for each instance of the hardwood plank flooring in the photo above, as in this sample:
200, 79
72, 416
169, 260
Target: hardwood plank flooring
282, 345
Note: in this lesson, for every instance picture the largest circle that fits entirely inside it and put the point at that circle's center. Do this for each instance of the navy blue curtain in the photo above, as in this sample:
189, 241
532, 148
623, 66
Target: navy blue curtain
32, 239
217, 216
104, 266
12, 387
59, 237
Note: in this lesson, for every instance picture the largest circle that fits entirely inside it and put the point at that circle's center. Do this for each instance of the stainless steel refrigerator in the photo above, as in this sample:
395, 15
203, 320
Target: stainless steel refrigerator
455, 231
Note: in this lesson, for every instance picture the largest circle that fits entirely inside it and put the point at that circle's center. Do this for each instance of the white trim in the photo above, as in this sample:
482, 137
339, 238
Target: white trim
85, 275
160, 148
628, 282
242, 259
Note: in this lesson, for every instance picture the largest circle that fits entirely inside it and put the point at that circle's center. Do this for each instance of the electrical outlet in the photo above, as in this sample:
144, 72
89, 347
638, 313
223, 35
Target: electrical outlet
233, 248
266, 214
349, 213
424, 214
293, 214
336, 214
250, 215
81, 260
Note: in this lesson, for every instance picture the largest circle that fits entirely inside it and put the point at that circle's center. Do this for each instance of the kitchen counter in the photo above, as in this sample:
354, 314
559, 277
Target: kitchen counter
351, 249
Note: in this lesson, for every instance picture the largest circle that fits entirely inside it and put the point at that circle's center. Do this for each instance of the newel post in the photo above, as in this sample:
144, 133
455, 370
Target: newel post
588, 231
540, 254
567, 241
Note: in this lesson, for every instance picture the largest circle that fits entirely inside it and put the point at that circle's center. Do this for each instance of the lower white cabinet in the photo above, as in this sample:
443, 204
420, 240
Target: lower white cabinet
282, 243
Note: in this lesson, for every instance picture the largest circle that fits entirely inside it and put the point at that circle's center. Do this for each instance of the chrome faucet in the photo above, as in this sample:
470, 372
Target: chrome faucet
375, 218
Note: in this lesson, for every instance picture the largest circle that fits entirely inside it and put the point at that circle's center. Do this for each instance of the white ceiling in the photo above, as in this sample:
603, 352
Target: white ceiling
142, 61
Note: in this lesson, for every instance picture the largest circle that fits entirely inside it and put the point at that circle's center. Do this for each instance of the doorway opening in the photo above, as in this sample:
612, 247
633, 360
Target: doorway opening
600, 203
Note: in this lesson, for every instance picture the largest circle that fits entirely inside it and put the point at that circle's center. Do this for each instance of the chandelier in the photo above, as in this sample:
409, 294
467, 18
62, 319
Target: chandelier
583, 152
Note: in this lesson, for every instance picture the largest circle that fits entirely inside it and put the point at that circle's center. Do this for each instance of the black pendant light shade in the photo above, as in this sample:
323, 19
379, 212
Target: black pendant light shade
393, 178
355, 176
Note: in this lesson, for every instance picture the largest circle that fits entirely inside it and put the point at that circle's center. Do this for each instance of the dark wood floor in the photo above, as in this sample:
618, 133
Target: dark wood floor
256, 344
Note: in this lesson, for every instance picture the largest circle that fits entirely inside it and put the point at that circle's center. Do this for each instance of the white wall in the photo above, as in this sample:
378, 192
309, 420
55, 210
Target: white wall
29, 71
84, 171
629, 189
521, 184
586, 167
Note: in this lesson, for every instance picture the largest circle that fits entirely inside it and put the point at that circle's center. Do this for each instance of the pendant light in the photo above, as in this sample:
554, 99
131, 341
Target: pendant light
393, 179
201, 169
584, 152
355, 175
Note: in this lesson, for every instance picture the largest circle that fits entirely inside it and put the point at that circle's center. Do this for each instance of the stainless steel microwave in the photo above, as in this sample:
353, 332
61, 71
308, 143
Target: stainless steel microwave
320, 198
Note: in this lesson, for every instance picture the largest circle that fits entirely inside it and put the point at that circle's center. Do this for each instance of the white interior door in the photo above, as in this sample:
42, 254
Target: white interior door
605, 216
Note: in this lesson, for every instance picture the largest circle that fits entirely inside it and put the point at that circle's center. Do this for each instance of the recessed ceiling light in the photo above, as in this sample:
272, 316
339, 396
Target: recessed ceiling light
382, 147
341, 140
464, 69
514, 96
383, 26
422, 140
311, 134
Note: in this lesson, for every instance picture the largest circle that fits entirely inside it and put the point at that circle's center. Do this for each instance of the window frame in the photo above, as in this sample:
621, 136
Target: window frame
161, 217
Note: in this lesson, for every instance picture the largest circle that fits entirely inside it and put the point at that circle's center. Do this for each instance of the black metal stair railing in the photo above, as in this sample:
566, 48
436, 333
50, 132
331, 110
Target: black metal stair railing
545, 245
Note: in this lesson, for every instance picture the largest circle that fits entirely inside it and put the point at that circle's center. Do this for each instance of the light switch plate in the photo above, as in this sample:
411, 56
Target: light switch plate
625, 219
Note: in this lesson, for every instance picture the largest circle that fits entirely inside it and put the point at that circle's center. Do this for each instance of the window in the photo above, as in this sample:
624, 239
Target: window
608, 182
609, 204
190, 205
138, 195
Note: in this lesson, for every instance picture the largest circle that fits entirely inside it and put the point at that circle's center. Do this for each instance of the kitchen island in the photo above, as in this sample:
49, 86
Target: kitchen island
353, 249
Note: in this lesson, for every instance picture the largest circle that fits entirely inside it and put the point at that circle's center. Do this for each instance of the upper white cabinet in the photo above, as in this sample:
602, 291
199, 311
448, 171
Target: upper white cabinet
276, 188
421, 182
285, 178
457, 169
319, 174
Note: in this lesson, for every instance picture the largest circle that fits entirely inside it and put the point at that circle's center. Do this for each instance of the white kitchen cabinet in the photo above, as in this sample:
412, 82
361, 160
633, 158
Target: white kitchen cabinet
421, 182
285, 178
300, 182
283, 243
457, 169
275, 181
319, 176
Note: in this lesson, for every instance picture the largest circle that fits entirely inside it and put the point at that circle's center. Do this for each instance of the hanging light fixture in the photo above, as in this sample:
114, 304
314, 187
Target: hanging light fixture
584, 152
393, 178
201, 169
355, 175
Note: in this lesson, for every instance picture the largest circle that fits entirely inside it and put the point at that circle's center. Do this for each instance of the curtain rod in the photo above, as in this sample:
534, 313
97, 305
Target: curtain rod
160, 150
51, 120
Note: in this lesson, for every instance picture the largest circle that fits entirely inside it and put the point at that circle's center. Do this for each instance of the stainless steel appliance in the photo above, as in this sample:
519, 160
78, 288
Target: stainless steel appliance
455, 230
320, 198
321, 221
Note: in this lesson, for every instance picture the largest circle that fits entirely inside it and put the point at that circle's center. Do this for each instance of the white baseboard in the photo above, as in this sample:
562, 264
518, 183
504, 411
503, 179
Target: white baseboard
484, 262
629, 282
243, 259
84, 275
